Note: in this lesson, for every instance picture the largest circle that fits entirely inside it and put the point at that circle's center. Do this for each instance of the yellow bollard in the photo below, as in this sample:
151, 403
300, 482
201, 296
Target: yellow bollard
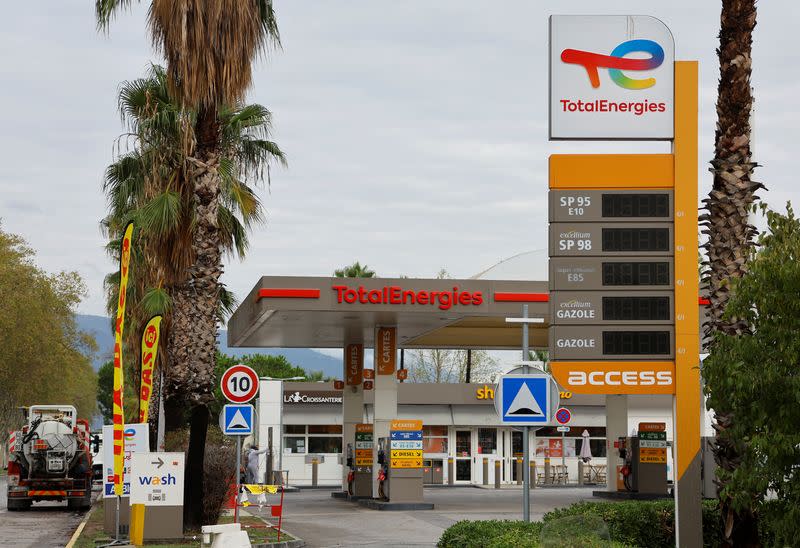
137, 524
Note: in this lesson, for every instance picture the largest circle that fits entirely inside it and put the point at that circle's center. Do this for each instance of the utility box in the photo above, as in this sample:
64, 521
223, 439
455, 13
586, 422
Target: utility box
708, 469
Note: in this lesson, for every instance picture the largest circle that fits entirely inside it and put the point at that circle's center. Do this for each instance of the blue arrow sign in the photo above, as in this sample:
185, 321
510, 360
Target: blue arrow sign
237, 419
525, 399
406, 434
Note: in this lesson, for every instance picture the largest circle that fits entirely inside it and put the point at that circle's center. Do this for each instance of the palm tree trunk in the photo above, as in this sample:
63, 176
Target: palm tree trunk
193, 337
730, 235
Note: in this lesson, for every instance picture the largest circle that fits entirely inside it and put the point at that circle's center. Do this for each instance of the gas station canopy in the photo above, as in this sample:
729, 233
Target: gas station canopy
319, 312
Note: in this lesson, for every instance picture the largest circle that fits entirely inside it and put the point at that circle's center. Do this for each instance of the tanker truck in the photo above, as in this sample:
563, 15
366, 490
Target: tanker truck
50, 459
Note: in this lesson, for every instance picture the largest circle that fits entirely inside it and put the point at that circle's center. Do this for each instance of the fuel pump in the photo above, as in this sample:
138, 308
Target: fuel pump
625, 454
383, 471
351, 474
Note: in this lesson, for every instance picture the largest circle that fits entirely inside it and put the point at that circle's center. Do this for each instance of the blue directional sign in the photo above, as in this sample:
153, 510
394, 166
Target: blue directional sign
237, 419
525, 399
406, 434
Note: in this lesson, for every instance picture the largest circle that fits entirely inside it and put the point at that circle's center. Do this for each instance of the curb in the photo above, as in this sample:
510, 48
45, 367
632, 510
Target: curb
74, 538
297, 543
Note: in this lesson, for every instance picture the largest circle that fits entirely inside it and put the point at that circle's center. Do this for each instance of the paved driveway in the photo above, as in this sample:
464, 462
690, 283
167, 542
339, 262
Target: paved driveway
323, 521
45, 525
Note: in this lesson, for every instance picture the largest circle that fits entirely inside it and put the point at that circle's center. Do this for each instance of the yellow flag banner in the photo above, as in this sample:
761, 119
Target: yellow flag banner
119, 324
150, 338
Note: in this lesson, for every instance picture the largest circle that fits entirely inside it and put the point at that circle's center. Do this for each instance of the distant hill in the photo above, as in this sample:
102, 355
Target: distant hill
308, 359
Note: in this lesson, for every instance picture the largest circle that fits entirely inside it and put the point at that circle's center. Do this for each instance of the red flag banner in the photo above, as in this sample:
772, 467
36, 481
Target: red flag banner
119, 380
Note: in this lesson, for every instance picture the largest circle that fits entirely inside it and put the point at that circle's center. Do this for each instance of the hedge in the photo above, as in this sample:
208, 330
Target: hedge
630, 523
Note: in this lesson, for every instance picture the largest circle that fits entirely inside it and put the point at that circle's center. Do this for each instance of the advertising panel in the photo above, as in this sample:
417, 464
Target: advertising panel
137, 439
611, 77
386, 350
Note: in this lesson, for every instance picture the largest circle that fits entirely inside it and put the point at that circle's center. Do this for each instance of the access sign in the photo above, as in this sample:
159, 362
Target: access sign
239, 384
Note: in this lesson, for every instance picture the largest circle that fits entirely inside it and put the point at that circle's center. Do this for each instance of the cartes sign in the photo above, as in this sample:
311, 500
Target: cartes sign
239, 384
611, 77
354, 364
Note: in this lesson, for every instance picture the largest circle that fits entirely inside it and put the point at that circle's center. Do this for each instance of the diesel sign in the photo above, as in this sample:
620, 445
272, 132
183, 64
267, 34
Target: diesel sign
595, 342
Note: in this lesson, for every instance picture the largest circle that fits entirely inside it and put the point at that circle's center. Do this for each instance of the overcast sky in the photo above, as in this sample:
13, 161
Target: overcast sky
416, 131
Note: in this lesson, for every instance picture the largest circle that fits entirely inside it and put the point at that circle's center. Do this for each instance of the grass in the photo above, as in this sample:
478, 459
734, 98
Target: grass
257, 530
93, 532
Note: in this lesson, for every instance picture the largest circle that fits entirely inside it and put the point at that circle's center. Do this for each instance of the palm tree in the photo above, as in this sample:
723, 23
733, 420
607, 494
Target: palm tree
209, 46
152, 184
354, 270
730, 234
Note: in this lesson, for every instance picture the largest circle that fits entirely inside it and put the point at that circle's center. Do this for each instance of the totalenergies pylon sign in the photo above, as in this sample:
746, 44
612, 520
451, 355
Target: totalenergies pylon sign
611, 77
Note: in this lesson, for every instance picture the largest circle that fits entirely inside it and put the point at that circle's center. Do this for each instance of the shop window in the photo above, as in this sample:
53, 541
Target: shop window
487, 440
463, 443
434, 431
434, 445
294, 428
324, 444
294, 444
325, 429
516, 443
598, 447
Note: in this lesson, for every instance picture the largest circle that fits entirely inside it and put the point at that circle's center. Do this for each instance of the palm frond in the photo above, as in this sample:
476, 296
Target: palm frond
106, 9
156, 301
160, 216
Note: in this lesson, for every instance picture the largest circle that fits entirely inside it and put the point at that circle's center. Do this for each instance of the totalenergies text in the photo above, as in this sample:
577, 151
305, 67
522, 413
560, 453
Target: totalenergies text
445, 299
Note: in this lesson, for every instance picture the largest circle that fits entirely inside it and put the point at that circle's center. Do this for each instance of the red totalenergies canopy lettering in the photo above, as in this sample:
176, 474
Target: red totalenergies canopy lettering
397, 295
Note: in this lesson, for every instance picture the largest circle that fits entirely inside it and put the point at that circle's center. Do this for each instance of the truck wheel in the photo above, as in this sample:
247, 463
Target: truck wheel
18, 505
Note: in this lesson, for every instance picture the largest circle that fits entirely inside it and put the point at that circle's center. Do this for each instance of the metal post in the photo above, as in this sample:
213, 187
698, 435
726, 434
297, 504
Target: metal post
469, 365
116, 520
238, 478
526, 454
497, 474
563, 459
268, 479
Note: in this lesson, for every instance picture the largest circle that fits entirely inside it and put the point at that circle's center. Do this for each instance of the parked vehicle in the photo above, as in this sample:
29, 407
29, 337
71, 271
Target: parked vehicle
50, 459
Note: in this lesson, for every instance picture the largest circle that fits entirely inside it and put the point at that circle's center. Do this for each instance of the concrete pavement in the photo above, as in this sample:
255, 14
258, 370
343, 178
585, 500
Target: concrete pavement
45, 525
326, 522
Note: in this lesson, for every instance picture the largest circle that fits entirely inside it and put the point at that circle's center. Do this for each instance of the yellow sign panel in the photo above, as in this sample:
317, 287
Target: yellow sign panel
405, 424
652, 455
406, 453
365, 453
363, 462
406, 463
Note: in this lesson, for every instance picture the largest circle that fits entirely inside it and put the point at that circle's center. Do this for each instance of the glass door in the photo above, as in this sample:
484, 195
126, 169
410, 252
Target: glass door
463, 456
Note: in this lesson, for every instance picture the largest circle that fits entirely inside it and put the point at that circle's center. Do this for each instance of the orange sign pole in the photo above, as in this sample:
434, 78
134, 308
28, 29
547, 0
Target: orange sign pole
687, 402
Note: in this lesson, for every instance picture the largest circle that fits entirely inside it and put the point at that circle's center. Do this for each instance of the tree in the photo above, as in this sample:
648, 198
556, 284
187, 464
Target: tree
105, 389
444, 365
355, 270
152, 183
44, 357
730, 234
754, 376
265, 366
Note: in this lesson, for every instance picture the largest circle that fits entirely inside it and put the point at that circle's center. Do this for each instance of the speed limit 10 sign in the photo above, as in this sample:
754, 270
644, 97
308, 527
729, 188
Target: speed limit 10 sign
239, 384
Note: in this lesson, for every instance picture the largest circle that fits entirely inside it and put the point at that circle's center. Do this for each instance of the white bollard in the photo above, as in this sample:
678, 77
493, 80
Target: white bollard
228, 535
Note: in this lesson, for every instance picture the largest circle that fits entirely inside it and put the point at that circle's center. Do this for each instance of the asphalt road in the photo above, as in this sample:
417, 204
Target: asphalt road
45, 525
324, 522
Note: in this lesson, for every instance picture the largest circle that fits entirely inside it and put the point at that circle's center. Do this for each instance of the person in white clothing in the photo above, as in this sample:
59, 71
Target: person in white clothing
251, 474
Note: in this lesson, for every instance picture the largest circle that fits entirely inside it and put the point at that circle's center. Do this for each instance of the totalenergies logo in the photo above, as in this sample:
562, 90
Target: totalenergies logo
617, 62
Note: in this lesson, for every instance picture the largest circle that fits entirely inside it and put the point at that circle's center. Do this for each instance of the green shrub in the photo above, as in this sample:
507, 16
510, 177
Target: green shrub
630, 523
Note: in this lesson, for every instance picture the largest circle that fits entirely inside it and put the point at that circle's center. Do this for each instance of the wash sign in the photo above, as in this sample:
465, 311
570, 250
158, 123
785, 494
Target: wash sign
526, 399
157, 479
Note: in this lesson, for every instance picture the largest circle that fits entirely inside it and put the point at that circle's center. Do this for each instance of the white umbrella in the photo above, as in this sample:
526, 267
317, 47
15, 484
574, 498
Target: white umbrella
586, 450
